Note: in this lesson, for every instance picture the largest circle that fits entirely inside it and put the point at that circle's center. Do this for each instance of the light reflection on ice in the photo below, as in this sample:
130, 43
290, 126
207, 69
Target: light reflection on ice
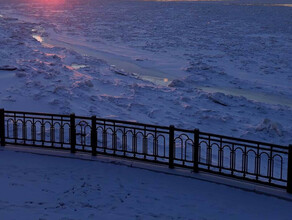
54, 55
281, 5
121, 64
78, 66
78, 76
269, 5
38, 38
41, 40
252, 4
250, 95
49, 2
187, 0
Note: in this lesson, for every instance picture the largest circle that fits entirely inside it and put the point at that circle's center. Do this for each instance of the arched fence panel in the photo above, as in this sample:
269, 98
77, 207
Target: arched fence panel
37, 129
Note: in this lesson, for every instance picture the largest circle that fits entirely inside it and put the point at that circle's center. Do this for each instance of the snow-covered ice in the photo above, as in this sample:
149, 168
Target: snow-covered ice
49, 187
221, 66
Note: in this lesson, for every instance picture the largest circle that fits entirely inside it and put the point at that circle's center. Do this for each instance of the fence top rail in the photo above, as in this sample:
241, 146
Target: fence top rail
36, 113
243, 140
232, 138
114, 121
87, 118
227, 143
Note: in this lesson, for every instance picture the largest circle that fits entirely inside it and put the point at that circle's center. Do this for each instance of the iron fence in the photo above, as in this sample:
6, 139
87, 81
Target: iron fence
200, 151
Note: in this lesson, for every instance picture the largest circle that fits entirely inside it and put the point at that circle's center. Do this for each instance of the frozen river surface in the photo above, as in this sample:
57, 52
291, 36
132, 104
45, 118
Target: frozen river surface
221, 66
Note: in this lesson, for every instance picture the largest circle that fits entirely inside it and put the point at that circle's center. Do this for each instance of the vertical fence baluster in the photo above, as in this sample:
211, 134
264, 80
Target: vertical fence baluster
72, 133
52, 132
232, 159
155, 145
208, 153
82, 134
114, 138
270, 165
93, 136
289, 176
61, 133
145, 143
196, 150
2, 127
182, 144
124, 142
171, 146
33, 132
257, 162
220, 156
244, 162
104, 137
134, 142
15, 129
43, 132
24, 135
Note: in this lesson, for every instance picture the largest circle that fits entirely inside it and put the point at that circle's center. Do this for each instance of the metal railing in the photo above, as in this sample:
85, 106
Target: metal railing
200, 151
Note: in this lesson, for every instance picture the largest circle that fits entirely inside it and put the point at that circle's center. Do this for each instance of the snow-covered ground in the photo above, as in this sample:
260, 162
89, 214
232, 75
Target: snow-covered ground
221, 66
47, 187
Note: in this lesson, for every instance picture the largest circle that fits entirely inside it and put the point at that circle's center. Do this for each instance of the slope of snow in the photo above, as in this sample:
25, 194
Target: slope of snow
49, 187
223, 67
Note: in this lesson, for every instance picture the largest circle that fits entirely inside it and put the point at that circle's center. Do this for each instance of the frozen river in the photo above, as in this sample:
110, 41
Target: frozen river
209, 64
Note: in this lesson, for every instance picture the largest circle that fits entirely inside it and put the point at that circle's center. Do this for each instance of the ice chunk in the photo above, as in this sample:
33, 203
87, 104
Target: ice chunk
8, 68
176, 83
270, 127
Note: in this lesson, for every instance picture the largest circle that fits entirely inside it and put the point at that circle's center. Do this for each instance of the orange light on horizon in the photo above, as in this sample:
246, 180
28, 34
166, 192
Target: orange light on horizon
49, 2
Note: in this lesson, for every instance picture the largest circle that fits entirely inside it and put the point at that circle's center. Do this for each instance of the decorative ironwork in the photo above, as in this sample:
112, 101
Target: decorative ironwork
47, 130
245, 159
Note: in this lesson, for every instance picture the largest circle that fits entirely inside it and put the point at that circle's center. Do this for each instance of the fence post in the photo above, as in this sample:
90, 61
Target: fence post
93, 136
289, 176
2, 127
72, 133
196, 150
171, 146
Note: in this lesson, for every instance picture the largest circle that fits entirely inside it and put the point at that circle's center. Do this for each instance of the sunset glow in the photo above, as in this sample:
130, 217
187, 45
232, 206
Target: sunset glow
50, 2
